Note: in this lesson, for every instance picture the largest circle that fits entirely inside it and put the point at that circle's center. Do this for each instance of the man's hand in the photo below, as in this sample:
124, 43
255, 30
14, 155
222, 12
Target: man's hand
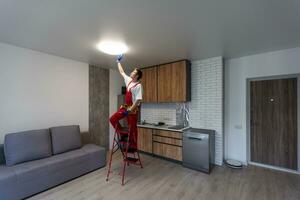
135, 105
119, 58
126, 112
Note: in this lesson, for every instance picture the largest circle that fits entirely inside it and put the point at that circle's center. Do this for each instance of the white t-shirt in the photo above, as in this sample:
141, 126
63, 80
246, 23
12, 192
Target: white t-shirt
136, 91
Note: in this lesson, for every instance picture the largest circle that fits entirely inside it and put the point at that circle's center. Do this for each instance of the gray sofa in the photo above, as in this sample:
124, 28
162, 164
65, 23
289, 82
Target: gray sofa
33, 161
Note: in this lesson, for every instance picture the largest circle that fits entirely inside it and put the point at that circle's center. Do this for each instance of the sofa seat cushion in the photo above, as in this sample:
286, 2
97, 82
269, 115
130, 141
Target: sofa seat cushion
74, 163
68, 165
65, 138
32, 177
67, 159
96, 155
8, 183
92, 148
26, 146
7, 174
29, 171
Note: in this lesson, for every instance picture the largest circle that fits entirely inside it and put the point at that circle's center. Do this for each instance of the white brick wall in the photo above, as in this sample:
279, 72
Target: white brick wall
153, 113
206, 107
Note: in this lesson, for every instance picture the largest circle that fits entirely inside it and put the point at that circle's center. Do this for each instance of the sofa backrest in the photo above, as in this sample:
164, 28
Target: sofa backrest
26, 146
2, 158
65, 138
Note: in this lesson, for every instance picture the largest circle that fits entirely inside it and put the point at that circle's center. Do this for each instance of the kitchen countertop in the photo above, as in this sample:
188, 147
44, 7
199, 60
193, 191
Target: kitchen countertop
162, 127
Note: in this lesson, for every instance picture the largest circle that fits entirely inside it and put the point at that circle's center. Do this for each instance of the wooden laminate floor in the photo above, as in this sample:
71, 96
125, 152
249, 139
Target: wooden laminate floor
162, 180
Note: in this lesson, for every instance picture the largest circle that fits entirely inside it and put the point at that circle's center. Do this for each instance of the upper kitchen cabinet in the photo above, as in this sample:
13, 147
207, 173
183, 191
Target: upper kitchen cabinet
149, 83
164, 78
174, 82
181, 81
167, 82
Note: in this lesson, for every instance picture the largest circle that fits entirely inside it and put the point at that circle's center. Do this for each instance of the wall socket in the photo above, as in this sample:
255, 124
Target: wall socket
238, 127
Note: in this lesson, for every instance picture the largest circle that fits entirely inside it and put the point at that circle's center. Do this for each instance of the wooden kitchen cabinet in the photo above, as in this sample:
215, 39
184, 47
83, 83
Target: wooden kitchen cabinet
167, 82
168, 151
149, 84
168, 134
145, 140
166, 140
174, 82
164, 78
167, 144
180, 82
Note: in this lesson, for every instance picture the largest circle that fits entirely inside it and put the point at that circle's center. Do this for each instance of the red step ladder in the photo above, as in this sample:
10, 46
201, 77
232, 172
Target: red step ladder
130, 155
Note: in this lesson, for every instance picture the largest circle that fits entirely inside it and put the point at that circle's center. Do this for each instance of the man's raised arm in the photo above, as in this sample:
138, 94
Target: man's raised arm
121, 70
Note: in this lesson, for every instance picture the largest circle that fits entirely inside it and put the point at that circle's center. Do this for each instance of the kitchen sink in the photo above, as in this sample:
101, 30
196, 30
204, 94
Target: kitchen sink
165, 126
177, 127
153, 124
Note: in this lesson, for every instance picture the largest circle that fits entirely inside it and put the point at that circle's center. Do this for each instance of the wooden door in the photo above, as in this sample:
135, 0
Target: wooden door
179, 82
164, 78
273, 123
149, 84
145, 140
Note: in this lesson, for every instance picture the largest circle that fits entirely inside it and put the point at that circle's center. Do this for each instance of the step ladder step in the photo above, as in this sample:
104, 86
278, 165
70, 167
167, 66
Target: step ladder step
124, 131
123, 138
130, 159
123, 142
130, 149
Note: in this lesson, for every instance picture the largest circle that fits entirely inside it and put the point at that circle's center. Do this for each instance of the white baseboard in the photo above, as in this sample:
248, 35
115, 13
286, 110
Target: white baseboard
275, 168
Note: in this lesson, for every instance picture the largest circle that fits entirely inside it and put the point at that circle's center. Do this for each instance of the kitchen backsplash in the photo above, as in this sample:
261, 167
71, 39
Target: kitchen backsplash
162, 112
170, 113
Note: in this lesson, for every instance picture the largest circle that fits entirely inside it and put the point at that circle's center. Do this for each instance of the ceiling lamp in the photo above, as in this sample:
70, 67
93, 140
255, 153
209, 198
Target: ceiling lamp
112, 48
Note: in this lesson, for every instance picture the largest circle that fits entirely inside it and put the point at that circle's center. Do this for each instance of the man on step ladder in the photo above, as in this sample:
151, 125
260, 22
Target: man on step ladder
126, 140
133, 98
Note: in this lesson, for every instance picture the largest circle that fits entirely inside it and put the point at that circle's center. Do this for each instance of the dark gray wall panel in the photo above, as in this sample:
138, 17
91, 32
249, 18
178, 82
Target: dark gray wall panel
99, 106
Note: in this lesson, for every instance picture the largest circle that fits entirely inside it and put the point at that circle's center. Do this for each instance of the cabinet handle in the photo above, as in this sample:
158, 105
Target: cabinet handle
193, 138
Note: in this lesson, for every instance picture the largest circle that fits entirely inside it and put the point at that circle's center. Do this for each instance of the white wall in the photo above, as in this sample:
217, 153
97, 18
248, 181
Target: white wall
115, 84
236, 72
40, 90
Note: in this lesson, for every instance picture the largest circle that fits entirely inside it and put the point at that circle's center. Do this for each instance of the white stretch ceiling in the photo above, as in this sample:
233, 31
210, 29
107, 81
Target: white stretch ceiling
156, 31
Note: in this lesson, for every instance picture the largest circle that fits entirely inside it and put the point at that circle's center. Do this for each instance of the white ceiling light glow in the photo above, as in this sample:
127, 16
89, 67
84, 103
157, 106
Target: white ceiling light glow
112, 48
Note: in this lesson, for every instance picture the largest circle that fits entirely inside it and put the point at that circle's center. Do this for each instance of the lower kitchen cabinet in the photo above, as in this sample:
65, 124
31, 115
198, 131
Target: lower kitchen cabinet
161, 143
168, 134
168, 151
167, 144
145, 139
165, 140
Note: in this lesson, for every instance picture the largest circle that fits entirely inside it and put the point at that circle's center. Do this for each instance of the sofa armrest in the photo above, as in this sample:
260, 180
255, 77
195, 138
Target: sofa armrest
2, 158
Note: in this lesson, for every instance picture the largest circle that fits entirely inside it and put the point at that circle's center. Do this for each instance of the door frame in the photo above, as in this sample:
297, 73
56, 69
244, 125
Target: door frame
248, 117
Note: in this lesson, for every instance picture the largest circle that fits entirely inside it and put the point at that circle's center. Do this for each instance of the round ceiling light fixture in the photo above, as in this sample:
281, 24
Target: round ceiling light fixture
112, 48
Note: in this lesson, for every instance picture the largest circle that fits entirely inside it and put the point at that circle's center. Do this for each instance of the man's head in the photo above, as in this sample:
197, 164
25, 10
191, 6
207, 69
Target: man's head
136, 74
